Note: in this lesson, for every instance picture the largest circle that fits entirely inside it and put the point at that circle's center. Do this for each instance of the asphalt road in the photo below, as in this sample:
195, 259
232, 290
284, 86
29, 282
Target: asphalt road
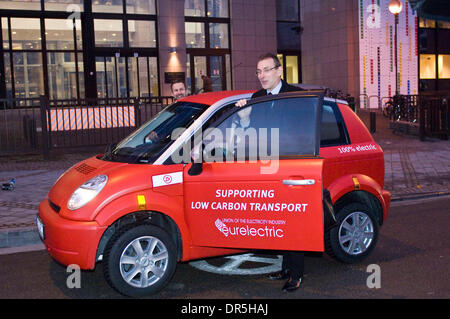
413, 255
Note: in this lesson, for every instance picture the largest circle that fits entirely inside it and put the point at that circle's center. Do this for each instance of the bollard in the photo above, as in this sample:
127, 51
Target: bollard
373, 122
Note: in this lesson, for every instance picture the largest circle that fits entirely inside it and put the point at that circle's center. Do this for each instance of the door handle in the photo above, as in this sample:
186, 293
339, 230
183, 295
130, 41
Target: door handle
298, 182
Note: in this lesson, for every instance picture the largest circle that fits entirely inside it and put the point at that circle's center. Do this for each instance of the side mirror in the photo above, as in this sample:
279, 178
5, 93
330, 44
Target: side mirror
196, 169
197, 162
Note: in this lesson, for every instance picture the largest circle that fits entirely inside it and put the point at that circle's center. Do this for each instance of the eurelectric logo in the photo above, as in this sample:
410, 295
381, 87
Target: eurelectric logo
247, 231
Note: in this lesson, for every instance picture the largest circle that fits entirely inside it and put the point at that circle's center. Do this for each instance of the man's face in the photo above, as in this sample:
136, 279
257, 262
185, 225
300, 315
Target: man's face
268, 76
178, 90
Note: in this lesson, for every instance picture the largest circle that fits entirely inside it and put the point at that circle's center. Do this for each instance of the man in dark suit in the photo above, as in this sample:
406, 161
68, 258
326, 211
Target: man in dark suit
269, 72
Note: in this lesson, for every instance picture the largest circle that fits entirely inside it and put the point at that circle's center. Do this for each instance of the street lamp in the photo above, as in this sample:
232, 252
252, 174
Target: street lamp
395, 7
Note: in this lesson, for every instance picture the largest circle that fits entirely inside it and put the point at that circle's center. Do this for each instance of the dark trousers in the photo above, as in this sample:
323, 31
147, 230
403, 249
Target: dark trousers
294, 262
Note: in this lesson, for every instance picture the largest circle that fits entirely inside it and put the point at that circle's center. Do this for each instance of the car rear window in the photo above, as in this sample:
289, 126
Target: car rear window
333, 131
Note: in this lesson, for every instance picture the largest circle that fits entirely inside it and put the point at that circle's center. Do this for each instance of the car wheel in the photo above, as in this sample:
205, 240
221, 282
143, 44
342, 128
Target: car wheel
140, 260
355, 234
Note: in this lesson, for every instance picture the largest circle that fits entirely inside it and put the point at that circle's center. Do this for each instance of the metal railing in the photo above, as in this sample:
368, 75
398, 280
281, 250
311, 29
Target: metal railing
20, 122
39, 125
434, 116
430, 112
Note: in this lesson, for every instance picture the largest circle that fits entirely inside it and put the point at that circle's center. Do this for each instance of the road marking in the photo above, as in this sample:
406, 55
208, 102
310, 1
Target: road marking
233, 264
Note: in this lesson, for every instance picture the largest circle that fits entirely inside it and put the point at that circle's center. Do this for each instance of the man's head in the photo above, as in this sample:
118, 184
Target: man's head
269, 71
178, 89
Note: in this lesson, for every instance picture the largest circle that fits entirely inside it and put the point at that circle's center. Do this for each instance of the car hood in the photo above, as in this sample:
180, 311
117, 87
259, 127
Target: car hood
123, 178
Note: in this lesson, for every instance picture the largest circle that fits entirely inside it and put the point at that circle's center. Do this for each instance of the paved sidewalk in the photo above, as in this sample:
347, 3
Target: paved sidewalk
412, 169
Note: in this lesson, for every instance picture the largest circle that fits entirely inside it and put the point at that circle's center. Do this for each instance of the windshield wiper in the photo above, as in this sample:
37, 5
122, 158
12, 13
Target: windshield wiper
109, 151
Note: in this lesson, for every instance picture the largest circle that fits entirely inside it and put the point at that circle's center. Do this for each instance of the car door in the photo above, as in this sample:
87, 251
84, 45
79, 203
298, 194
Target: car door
260, 182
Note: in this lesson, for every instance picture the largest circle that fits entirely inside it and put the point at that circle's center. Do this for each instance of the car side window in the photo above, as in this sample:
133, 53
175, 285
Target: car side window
332, 132
264, 130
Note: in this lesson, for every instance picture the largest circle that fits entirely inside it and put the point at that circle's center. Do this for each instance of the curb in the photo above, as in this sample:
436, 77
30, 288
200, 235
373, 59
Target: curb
415, 196
17, 237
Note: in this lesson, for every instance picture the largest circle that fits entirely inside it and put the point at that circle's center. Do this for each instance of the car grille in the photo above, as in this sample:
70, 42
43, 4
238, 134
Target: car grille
55, 207
85, 169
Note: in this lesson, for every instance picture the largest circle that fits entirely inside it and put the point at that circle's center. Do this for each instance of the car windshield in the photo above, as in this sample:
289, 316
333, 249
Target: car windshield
147, 143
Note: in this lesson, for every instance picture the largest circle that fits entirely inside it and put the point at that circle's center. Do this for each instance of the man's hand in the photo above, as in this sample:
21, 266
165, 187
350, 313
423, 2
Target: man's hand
241, 103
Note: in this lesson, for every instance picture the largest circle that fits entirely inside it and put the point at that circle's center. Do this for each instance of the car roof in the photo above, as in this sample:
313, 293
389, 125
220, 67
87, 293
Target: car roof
212, 97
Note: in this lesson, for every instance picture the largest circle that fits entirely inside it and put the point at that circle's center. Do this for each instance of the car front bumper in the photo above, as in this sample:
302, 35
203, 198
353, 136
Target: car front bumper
68, 241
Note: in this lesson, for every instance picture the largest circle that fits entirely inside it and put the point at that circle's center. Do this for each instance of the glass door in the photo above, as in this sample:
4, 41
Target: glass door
143, 76
111, 77
126, 76
208, 73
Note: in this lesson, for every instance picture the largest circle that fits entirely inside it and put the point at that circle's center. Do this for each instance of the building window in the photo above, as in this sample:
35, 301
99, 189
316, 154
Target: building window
64, 5
444, 66
43, 52
217, 9
21, 4
26, 34
290, 67
427, 66
218, 35
108, 33
22, 57
59, 34
142, 33
140, 7
130, 7
443, 24
107, 6
425, 23
64, 58
207, 26
288, 39
194, 8
288, 10
195, 34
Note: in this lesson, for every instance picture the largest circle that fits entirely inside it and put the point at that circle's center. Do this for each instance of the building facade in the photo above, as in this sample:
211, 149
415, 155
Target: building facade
69, 49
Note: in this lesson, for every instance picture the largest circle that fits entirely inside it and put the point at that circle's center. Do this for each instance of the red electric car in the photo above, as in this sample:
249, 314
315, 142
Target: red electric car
295, 171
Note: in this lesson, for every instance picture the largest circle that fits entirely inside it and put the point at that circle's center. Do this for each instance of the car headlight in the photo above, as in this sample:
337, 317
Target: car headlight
86, 192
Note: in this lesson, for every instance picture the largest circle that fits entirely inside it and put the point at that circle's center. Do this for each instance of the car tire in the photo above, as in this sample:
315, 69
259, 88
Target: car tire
139, 260
355, 235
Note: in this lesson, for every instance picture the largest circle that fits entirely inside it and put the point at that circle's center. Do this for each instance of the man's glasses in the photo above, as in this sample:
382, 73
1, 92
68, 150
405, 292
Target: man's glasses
265, 71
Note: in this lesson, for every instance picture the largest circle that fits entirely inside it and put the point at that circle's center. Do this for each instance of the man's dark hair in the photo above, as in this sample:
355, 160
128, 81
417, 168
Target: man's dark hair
175, 82
270, 56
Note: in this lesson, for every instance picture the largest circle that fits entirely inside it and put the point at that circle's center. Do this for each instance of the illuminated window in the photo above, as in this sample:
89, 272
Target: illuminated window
108, 33
443, 24
64, 5
21, 4
26, 34
444, 66
194, 8
142, 33
108, 6
59, 34
292, 69
425, 23
195, 34
427, 66
141, 6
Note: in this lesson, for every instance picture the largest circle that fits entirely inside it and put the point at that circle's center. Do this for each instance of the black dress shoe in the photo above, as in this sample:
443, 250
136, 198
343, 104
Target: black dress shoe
279, 275
292, 284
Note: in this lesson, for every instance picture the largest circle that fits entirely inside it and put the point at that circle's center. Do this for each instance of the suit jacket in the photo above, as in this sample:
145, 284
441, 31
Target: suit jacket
284, 88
